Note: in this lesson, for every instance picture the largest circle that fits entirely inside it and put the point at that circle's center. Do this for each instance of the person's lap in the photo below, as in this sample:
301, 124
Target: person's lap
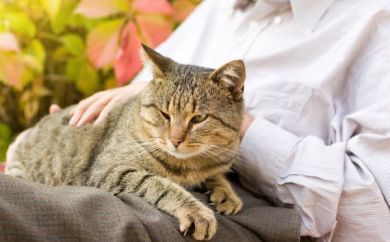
35, 212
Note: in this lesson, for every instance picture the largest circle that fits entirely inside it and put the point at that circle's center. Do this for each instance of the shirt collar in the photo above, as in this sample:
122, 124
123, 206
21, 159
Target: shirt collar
307, 13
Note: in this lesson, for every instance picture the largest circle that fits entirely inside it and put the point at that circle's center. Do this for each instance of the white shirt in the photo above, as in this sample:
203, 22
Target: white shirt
318, 85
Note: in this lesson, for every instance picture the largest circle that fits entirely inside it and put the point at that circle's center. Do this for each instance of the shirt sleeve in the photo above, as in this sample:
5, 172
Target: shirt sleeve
345, 181
292, 170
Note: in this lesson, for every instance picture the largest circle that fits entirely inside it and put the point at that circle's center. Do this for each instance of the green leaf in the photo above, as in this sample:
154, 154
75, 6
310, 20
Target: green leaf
35, 56
5, 140
110, 83
73, 67
79, 21
76, 21
87, 81
73, 44
20, 23
32, 64
36, 49
52, 7
62, 18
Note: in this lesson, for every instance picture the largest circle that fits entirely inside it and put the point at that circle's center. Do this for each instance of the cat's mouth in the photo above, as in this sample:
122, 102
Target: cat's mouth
180, 154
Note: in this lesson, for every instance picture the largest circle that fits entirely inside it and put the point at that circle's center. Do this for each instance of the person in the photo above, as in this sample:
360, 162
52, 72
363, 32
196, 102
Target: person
316, 130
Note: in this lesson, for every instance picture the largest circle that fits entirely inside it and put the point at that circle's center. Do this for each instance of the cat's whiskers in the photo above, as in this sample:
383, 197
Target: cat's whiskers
219, 153
225, 151
213, 156
221, 148
239, 160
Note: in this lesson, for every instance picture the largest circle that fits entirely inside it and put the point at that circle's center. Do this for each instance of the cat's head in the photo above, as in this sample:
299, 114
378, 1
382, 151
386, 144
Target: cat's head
190, 110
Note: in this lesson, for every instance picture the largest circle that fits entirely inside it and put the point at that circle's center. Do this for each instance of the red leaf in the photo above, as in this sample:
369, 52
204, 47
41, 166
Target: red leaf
153, 6
2, 168
128, 61
8, 42
102, 8
102, 43
12, 69
154, 28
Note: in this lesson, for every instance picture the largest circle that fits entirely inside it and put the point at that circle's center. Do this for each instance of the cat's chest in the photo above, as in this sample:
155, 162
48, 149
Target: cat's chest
194, 177
188, 173
188, 179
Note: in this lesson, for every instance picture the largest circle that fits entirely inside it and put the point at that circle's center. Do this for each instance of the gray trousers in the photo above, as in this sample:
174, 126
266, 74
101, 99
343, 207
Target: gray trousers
35, 212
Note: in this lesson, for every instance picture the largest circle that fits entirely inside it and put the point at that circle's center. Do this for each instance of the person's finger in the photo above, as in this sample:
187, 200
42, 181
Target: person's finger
93, 111
54, 108
80, 108
71, 112
76, 117
106, 110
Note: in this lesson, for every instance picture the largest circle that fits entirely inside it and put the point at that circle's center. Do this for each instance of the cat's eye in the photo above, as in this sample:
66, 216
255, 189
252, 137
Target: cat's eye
166, 116
199, 118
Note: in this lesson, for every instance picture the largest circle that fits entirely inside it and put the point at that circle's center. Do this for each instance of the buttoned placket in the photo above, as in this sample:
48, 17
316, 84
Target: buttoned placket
254, 29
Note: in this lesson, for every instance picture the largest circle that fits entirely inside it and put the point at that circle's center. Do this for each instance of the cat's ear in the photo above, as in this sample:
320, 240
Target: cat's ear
161, 64
231, 76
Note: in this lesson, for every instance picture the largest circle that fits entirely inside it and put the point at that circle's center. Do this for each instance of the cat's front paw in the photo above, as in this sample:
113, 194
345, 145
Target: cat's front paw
201, 218
225, 201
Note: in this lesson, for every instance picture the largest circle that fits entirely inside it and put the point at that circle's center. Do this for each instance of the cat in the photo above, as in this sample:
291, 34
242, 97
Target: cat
181, 131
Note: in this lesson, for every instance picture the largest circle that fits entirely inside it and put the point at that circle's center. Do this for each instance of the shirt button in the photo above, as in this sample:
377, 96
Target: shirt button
278, 20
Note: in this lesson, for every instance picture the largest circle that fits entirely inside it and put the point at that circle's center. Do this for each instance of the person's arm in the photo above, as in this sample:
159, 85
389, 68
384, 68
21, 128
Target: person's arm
319, 179
345, 182
293, 170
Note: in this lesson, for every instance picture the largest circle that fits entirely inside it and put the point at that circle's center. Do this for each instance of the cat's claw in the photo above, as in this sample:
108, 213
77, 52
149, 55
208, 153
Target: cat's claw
226, 202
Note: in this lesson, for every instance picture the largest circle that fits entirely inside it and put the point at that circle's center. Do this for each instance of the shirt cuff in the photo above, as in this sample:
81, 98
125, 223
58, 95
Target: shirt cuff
265, 151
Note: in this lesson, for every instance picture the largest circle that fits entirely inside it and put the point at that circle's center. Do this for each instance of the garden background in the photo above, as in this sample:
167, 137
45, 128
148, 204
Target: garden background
61, 51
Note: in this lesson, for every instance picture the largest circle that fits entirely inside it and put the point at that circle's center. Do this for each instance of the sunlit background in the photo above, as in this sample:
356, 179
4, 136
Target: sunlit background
60, 51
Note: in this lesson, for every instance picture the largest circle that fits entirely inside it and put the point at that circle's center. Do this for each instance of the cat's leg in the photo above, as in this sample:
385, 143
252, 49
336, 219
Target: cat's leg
222, 195
167, 196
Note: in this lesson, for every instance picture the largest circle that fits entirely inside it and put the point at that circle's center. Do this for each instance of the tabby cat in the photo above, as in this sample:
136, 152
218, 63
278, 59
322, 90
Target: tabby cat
181, 131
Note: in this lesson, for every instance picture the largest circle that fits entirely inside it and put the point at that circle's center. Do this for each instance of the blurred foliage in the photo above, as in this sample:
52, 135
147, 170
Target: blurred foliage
61, 51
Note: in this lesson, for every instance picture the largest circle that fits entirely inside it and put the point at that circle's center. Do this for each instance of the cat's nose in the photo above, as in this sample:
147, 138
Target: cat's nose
176, 141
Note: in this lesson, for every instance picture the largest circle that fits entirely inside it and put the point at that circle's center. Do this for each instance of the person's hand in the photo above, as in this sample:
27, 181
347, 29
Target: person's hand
100, 104
246, 122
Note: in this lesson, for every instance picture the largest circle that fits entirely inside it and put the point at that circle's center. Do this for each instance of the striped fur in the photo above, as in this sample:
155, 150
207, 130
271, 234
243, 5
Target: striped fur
133, 150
